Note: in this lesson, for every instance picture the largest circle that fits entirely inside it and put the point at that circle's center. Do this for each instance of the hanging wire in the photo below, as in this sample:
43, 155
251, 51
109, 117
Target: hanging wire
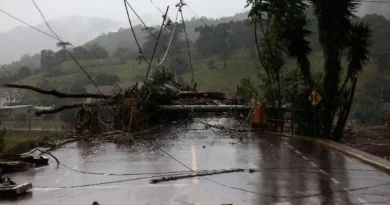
180, 6
170, 41
141, 53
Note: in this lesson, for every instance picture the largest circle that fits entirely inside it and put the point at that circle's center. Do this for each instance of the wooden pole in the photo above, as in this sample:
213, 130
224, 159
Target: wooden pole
29, 118
204, 108
155, 46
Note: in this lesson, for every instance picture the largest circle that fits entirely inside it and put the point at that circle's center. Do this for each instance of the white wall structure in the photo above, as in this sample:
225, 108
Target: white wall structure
9, 96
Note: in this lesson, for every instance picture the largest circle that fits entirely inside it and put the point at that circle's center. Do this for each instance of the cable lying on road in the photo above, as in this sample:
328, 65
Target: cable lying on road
165, 179
264, 194
153, 173
228, 129
273, 195
96, 184
172, 177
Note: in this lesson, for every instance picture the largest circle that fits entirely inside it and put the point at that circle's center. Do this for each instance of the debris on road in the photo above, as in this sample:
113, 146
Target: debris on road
14, 163
13, 166
173, 178
9, 188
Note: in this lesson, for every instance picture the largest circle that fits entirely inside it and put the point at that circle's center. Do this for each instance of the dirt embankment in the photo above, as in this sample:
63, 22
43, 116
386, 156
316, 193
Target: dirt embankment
374, 140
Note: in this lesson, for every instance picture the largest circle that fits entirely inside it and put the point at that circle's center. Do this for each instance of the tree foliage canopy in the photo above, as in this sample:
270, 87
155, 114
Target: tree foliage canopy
23, 72
338, 33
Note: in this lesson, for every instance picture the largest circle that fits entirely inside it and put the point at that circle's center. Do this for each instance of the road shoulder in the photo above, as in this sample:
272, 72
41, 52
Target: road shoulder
364, 157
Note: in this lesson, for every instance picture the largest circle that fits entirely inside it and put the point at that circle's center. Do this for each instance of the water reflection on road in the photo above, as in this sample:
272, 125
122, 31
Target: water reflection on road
290, 171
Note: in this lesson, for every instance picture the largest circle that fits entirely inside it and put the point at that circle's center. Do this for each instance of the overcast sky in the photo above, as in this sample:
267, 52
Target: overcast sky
113, 9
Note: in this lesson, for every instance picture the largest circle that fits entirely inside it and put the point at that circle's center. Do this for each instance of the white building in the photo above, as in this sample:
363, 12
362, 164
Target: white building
10, 96
15, 110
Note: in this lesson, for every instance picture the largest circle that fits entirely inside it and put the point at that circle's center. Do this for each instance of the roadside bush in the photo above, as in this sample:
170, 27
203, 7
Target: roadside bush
297, 95
68, 116
246, 90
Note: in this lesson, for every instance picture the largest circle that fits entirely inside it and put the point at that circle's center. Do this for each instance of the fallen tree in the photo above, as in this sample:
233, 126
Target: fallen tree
216, 95
73, 106
57, 93
136, 108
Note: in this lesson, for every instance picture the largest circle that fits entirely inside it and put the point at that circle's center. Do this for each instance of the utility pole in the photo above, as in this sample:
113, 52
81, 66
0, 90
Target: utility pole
29, 117
365, 113
381, 108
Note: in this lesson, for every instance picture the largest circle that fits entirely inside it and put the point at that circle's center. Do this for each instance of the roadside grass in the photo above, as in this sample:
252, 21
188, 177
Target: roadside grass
16, 137
36, 124
220, 78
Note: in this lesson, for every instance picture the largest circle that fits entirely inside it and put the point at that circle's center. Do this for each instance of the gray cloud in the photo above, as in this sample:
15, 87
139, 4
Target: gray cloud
112, 9
379, 8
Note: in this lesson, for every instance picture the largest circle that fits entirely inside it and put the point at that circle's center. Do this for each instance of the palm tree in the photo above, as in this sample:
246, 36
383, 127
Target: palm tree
338, 34
357, 55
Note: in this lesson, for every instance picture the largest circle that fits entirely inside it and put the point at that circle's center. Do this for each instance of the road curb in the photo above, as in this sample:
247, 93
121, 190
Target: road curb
364, 157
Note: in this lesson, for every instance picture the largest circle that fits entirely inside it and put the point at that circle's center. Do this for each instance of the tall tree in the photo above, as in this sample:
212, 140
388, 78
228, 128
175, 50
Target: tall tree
98, 51
124, 54
338, 33
47, 59
220, 40
172, 31
80, 53
23, 72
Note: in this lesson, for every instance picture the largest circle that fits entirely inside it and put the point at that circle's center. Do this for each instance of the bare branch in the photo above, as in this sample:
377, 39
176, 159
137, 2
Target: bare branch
141, 53
261, 59
216, 95
67, 107
56, 93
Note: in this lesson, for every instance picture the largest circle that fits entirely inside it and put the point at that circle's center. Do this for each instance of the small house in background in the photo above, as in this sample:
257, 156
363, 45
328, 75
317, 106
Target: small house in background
14, 110
10, 96
7, 111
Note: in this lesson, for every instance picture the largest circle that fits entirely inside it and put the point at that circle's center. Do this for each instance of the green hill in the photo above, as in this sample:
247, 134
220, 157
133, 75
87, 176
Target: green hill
221, 57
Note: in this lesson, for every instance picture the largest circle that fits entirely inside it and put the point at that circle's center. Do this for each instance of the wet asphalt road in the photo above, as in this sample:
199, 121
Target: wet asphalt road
290, 172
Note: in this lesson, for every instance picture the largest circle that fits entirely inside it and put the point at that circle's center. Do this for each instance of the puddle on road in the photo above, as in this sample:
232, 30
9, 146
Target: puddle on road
283, 171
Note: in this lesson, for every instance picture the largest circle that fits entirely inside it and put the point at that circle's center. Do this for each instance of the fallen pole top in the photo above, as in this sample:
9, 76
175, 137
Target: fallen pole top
204, 108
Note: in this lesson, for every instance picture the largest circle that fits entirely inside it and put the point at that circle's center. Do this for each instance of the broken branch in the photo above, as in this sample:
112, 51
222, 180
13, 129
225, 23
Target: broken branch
55, 92
216, 95
67, 107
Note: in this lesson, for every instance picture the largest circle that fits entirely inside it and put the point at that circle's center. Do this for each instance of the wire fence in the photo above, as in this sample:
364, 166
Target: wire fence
25, 121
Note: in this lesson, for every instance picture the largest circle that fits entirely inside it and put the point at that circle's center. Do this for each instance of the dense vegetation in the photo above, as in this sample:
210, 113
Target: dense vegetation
224, 54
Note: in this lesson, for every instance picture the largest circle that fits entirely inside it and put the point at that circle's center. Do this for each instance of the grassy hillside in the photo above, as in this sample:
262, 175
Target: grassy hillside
216, 78
69, 72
